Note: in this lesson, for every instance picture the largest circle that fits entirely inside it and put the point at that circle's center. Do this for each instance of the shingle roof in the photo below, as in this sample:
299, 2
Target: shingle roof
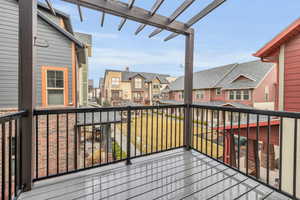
204, 79
84, 38
254, 72
127, 75
209, 103
224, 76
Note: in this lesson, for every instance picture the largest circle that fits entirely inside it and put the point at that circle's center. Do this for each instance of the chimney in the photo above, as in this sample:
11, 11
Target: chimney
127, 69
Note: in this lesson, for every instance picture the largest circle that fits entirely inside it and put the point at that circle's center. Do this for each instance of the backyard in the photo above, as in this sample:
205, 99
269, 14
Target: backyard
157, 132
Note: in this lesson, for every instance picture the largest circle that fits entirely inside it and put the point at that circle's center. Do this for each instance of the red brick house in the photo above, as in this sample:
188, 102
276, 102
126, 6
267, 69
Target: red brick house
250, 84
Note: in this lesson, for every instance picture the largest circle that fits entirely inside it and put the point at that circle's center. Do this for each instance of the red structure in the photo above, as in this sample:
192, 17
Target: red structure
250, 132
284, 50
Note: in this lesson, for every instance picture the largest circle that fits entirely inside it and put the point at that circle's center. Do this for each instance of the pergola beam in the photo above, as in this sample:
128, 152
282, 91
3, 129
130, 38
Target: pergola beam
174, 15
137, 14
199, 16
155, 7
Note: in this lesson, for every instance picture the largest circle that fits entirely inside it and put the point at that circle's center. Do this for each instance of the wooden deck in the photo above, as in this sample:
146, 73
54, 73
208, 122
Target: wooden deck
172, 175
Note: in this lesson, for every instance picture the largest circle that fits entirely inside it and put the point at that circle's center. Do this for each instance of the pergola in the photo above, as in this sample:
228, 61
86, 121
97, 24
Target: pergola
126, 11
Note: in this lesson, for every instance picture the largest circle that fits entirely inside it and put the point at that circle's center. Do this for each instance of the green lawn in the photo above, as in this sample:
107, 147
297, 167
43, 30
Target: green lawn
159, 133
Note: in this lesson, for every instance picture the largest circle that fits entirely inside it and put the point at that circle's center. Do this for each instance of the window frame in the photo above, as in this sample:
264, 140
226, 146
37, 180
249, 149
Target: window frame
135, 83
44, 88
113, 81
231, 94
218, 91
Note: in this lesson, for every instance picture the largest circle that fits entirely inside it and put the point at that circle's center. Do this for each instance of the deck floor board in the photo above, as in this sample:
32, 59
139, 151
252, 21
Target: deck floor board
176, 174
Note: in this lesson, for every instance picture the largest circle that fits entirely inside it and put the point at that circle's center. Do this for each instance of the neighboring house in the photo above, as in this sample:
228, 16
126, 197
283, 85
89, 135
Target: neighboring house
58, 52
250, 84
101, 89
91, 93
138, 87
284, 51
83, 68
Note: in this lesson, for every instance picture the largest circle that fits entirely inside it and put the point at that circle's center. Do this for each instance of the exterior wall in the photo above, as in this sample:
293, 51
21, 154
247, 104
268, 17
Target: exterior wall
58, 54
207, 96
247, 102
83, 83
126, 90
215, 97
270, 82
9, 54
288, 156
292, 75
108, 86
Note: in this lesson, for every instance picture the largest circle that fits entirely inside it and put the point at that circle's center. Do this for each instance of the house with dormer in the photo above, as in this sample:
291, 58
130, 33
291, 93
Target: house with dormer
241, 85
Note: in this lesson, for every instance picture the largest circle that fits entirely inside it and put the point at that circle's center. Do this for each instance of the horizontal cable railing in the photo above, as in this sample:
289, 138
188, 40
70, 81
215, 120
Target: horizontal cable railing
10, 142
71, 140
263, 145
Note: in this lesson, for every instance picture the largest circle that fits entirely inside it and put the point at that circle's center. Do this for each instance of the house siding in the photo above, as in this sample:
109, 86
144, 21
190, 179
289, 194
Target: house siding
59, 54
292, 75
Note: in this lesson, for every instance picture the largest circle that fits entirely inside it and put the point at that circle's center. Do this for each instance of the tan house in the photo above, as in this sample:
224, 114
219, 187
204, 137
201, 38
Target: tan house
137, 87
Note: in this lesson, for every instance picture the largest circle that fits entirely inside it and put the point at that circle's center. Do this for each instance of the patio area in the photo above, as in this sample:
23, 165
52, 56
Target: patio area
176, 174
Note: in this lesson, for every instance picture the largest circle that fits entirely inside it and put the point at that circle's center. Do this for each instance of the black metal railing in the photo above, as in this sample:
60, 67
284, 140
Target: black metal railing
10, 125
262, 145
71, 140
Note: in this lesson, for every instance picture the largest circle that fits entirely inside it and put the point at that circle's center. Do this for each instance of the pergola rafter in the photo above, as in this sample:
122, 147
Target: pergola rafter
123, 21
174, 15
153, 10
199, 16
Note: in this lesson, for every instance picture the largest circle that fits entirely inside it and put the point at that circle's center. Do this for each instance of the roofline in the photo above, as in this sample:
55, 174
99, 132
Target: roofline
246, 76
60, 29
43, 5
267, 48
271, 69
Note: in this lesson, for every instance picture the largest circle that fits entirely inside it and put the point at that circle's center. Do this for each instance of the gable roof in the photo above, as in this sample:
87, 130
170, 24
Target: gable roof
255, 70
59, 28
224, 76
127, 75
204, 79
280, 39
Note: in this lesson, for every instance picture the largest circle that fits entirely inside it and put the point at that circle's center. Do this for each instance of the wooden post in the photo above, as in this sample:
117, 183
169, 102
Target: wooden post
188, 87
27, 60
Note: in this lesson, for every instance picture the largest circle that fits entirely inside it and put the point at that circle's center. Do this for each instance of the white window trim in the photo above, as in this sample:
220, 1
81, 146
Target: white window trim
51, 88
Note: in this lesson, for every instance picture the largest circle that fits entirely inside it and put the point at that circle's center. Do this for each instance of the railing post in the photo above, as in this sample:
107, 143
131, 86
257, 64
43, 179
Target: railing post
188, 87
27, 62
128, 161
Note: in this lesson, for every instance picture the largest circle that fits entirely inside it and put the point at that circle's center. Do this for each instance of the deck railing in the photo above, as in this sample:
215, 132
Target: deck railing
263, 145
10, 126
71, 140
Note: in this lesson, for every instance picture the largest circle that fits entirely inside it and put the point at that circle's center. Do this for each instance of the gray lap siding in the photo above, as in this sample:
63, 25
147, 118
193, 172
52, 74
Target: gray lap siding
57, 54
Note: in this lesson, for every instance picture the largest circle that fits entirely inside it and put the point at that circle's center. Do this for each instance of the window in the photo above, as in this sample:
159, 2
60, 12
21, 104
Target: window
199, 94
156, 86
115, 81
181, 95
138, 83
266, 93
231, 95
218, 91
55, 87
246, 95
238, 95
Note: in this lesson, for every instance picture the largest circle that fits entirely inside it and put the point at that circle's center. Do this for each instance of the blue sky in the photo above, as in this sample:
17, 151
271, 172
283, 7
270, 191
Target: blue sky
230, 34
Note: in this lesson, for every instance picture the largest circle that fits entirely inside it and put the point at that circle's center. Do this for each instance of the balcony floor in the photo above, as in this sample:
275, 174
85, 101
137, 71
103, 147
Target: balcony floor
176, 174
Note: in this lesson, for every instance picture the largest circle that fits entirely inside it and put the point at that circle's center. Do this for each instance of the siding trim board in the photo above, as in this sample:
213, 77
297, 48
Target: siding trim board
44, 70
